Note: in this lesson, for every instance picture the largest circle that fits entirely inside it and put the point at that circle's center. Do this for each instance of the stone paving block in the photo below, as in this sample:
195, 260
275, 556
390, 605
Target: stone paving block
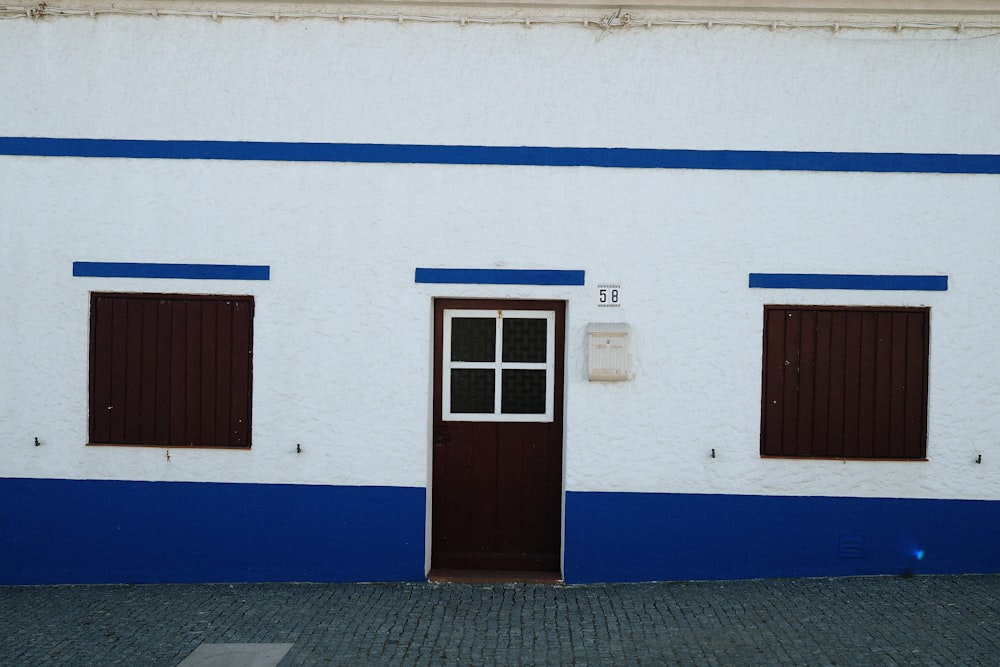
236, 655
928, 620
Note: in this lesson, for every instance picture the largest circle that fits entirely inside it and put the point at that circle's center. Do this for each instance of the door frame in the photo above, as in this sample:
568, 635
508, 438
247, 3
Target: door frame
438, 305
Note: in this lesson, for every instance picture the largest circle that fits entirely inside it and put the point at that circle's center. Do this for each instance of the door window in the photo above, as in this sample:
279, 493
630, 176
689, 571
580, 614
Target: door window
498, 365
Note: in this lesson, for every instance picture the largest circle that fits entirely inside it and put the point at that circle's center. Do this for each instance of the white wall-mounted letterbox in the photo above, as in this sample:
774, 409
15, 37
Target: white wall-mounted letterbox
607, 351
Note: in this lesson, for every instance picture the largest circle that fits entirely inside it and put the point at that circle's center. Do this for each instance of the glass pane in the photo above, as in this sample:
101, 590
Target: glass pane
523, 392
473, 339
472, 390
524, 339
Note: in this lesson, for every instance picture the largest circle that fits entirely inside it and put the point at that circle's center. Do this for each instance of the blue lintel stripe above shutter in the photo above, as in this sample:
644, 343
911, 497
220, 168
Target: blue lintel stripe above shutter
848, 281
500, 276
182, 271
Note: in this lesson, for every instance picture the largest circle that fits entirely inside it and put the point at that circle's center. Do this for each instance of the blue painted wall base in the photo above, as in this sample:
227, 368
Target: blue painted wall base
81, 531
664, 537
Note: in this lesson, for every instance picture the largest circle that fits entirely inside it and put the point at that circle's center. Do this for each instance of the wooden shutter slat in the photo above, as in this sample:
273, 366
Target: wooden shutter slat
867, 358
119, 338
100, 369
241, 336
774, 372
132, 413
164, 373
897, 378
916, 383
208, 373
790, 394
882, 385
852, 380
224, 371
147, 373
192, 380
821, 384
838, 380
805, 401
178, 372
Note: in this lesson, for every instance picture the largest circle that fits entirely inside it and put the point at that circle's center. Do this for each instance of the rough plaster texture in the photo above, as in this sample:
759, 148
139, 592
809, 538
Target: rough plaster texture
343, 335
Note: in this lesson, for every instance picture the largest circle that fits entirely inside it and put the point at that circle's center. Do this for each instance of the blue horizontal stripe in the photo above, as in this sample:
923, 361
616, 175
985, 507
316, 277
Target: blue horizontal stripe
667, 537
184, 271
848, 281
89, 531
500, 276
634, 158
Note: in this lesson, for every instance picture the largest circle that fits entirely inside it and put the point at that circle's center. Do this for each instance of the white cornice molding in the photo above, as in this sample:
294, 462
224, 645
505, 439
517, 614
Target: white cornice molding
915, 7
908, 7
898, 15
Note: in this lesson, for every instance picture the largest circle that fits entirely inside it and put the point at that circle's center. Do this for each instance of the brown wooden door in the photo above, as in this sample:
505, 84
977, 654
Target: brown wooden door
497, 446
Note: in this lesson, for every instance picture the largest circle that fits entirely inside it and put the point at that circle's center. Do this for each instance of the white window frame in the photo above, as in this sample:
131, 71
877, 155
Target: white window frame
498, 365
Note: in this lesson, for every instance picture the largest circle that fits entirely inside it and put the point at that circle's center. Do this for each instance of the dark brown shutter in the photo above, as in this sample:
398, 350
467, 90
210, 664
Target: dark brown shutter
845, 382
171, 370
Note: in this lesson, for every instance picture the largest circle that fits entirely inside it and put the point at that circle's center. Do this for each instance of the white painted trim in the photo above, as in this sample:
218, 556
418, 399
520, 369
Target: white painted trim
825, 6
595, 14
498, 366
921, 7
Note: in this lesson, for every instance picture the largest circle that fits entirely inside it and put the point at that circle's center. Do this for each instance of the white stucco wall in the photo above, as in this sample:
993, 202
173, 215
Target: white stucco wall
342, 332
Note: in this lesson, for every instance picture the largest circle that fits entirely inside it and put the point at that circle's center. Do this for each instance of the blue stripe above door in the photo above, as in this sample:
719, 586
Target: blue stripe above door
500, 276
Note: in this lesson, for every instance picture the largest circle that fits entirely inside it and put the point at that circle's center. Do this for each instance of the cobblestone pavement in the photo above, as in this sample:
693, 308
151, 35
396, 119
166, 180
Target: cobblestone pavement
932, 620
